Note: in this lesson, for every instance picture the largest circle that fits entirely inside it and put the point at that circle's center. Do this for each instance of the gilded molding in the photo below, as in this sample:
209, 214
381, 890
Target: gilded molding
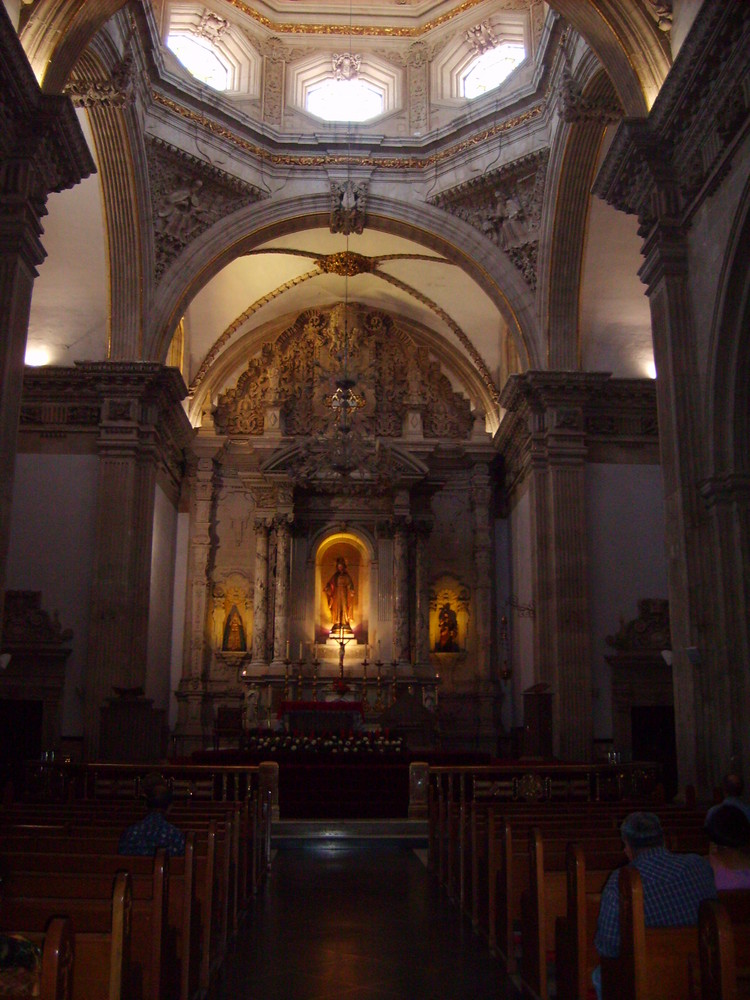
350, 158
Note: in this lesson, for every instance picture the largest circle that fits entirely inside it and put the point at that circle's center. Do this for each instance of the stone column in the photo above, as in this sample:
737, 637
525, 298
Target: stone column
480, 505
136, 402
42, 149
281, 597
191, 688
401, 593
422, 604
548, 410
727, 500
260, 596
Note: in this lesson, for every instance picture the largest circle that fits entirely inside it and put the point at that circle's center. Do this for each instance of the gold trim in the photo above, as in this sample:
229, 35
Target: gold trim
355, 30
347, 159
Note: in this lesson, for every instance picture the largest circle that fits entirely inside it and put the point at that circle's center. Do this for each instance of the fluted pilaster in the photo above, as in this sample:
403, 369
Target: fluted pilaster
480, 505
401, 593
281, 595
260, 595
422, 601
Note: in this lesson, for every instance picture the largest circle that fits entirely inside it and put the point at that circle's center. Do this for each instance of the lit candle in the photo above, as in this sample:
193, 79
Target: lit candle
287, 649
300, 649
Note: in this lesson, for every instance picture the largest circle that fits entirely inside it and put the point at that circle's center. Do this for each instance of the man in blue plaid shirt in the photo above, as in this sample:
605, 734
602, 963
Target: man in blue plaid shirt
673, 885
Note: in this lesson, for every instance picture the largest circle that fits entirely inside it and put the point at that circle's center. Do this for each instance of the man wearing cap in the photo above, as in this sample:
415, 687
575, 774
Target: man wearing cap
143, 839
673, 885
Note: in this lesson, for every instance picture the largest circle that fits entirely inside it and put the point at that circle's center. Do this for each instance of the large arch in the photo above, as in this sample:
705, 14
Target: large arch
250, 227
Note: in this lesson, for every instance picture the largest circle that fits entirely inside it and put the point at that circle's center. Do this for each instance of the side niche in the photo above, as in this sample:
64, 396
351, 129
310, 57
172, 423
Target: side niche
232, 616
450, 607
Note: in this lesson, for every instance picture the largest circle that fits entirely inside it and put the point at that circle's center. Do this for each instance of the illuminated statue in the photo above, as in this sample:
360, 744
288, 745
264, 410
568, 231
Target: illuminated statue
340, 593
447, 641
234, 632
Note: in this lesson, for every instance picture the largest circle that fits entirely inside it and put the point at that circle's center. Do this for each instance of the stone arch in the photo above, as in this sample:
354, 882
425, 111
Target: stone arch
250, 227
577, 145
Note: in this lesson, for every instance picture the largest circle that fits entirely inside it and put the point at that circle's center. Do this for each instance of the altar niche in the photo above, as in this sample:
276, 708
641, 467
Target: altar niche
342, 590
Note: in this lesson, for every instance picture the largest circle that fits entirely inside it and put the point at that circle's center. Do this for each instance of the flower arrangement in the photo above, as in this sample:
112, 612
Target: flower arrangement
353, 746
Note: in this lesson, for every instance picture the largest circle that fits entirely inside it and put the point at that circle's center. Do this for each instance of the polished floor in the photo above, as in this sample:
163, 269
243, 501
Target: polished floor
357, 923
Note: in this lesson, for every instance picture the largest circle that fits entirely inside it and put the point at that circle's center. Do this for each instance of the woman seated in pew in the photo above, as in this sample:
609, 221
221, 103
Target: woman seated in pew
728, 830
144, 838
673, 886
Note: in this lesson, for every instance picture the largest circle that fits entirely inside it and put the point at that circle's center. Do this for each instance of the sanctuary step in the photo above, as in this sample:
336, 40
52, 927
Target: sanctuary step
349, 833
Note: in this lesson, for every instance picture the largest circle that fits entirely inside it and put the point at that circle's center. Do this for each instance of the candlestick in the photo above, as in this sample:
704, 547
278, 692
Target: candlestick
300, 649
287, 649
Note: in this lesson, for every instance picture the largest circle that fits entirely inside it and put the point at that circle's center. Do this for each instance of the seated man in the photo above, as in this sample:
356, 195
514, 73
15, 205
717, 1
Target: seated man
152, 832
733, 786
673, 885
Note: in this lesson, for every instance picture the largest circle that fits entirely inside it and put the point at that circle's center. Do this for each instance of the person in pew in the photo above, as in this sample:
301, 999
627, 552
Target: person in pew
144, 838
728, 830
733, 786
673, 886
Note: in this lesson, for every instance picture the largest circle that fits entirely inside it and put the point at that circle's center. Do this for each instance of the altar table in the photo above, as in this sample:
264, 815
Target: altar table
307, 717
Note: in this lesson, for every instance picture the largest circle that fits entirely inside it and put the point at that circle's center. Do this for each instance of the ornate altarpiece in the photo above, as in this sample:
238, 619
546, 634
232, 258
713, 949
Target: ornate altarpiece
289, 492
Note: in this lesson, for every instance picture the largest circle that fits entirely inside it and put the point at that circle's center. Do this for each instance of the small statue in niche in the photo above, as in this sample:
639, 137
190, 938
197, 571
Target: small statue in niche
447, 640
234, 633
340, 593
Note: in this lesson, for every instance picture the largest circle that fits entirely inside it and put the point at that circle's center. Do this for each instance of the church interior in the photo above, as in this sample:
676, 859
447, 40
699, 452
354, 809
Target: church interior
374, 374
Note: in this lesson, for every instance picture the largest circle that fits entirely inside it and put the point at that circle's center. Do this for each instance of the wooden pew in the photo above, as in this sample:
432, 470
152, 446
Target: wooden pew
28, 896
180, 979
546, 901
655, 963
575, 955
54, 981
101, 944
211, 881
724, 946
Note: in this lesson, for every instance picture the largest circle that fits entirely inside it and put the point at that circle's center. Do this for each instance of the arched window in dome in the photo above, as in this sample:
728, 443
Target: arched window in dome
200, 59
344, 100
488, 70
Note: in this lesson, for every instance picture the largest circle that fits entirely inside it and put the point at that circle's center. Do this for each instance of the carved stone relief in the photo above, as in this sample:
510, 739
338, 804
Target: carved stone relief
348, 202
505, 205
189, 196
381, 358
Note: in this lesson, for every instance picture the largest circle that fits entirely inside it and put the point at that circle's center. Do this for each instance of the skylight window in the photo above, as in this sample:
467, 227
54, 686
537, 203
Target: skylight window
489, 70
199, 58
344, 100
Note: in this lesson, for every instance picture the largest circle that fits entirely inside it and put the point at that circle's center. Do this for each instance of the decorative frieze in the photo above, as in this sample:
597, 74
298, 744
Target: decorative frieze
383, 361
115, 92
505, 205
577, 107
189, 195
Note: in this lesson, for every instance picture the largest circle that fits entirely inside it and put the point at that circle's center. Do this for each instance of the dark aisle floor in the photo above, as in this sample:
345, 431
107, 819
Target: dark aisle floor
360, 923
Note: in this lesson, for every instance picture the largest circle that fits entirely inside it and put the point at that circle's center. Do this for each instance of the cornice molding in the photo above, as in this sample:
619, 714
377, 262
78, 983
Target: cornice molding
578, 411
132, 407
684, 148
40, 130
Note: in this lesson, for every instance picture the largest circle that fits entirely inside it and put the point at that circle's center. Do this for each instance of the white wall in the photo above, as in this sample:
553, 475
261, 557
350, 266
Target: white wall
627, 561
158, 673
52, 538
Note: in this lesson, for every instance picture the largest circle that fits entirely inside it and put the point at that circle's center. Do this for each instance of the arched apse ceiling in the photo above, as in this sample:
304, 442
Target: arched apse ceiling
621, 32
280, 277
